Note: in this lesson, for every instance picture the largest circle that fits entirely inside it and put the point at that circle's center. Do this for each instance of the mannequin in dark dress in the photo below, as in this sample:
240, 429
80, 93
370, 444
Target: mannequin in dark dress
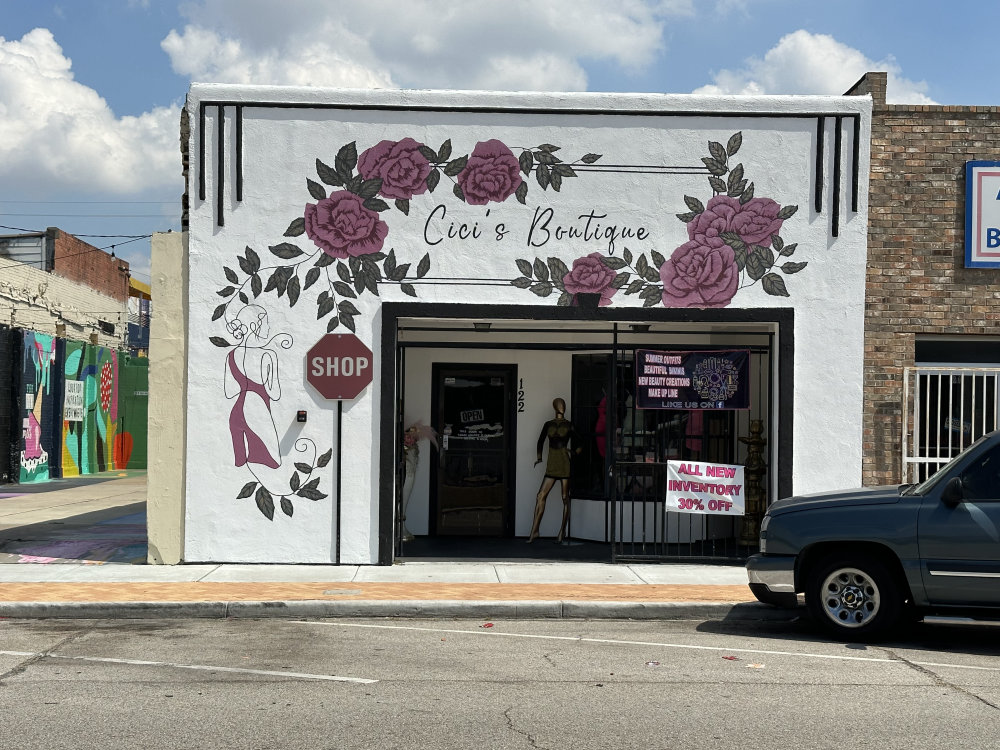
559, 432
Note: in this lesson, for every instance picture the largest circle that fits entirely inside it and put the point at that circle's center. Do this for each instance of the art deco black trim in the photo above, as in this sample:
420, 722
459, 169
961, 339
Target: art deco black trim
838, 139
240, 106
391, 312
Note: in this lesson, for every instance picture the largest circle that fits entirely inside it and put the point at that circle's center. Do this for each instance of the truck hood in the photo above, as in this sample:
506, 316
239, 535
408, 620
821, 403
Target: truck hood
858, 496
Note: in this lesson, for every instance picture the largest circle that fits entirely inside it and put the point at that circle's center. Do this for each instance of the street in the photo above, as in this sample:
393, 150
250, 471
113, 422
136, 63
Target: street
422, 683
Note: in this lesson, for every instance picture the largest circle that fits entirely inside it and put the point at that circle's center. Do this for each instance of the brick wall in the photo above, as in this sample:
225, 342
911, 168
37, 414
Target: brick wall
77, 260
917, 280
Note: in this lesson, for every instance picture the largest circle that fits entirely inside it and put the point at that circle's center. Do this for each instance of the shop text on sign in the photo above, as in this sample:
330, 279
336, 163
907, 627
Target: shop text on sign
339, 366
713, 489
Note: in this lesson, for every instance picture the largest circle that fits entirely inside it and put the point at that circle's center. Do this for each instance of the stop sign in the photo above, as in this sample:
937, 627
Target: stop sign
339, 366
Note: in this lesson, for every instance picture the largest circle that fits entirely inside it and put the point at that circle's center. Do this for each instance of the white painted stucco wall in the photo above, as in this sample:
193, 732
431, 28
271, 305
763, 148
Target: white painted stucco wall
637, 161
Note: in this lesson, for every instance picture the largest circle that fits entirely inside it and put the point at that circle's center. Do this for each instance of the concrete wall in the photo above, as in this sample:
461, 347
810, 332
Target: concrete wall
329, 202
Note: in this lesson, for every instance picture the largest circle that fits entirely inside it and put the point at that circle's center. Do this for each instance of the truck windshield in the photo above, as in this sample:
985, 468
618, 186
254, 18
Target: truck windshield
934, 479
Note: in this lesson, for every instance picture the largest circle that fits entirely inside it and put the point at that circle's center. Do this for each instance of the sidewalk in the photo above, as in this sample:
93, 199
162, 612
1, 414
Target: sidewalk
470, 589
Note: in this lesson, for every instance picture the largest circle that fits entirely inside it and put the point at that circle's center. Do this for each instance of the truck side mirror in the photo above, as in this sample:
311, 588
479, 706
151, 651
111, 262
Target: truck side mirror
953, 492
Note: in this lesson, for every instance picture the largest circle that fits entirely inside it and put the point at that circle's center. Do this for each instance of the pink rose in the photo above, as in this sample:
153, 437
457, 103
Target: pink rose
341, 226
754, 221
700, 274
590, 276
491, 174
399, 164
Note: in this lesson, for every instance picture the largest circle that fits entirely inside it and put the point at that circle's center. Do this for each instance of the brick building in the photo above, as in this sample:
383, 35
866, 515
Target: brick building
72, 258
932, 346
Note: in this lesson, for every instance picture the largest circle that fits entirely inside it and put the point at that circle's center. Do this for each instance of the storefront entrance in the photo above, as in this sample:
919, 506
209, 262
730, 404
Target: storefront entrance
471, 480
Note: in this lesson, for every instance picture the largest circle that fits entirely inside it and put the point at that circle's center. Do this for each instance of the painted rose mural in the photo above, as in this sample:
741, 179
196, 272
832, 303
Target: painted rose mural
734, 242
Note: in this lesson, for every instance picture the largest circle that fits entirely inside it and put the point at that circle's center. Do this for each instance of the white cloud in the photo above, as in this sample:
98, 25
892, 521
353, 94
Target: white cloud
805, 63
57, 132
518, 44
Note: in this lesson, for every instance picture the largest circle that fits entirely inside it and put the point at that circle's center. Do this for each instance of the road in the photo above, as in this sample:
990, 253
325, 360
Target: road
373, 684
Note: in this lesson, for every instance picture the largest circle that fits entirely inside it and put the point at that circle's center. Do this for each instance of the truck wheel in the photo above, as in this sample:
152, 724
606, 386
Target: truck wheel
854, 597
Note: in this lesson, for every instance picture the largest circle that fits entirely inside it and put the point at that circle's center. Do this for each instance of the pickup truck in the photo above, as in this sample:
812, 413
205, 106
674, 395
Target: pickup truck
868, 560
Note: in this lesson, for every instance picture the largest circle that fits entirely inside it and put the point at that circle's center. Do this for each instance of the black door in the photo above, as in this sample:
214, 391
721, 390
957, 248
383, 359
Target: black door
472, 483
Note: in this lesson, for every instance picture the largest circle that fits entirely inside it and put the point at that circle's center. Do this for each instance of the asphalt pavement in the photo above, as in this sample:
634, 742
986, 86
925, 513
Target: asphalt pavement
77, 549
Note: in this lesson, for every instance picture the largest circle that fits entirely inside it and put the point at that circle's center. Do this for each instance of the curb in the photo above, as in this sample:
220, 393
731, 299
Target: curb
530, 610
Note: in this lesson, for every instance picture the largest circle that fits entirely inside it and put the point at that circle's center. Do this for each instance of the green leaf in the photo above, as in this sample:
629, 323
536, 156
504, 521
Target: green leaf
652, 275
293, 483
433, 178
219, 311
747, 195
370, 188
613, 262
548, 148
457, 190
541, 288
732, 239
740, 255
265, 503
555, 180
325, 307
688, 217
424, 266
408, 290
565, 300
292, 289
792, 267
641, 265
525, 161
343, 273
658, 259
620, 280
524, 267
522, 283
455, 166
774, 285
304, 468
590, 158
428, 153
329, 176
286, 506
543, 157
717, 151
231, 275
255, 285
788, 250
244, 299
219, 341
376, 204
343, 289
348, 322
334, 322
787, 212
286, 251
390, 263
272, 280
542, 176
627, 255
324, 260
311, 495
245, 265
399, 272
714, 167
316, 190
755, 266
717, 184
347, 159
777, 243
734, 179
635, 286
541, 270
403, 205
521, 193
558, 269
353, 185
348, 307
694, 204
563, 170
254, 259
311, 484
247, 490
226, 291
311, 277
444, 153
735, 141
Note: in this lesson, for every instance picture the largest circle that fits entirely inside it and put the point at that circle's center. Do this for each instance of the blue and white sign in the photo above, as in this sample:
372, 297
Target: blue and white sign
982, 214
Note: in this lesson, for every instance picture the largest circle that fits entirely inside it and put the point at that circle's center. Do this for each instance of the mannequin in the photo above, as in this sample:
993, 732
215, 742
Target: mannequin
559, 432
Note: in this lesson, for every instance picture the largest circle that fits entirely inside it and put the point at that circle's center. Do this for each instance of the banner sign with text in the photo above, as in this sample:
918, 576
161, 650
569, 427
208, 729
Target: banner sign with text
692, 380
711, 489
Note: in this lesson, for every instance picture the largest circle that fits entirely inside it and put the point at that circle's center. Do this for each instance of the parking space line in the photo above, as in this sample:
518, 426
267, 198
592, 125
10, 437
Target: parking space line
200, 667
610, 641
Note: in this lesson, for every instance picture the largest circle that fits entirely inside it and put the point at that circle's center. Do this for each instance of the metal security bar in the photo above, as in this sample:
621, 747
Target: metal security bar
945, 410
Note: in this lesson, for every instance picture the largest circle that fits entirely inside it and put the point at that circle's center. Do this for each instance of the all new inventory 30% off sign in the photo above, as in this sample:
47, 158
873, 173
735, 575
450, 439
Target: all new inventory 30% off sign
711, 489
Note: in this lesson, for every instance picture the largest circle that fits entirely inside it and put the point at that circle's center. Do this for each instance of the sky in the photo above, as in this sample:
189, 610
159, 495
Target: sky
91, 90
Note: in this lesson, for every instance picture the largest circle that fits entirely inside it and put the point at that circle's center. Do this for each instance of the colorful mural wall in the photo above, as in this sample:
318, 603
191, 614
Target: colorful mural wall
73, 417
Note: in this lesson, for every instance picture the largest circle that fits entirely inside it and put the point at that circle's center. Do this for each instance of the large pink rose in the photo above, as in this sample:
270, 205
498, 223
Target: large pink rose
399, 164
700, 274
491, 174
341, 226
590, 276
754, 221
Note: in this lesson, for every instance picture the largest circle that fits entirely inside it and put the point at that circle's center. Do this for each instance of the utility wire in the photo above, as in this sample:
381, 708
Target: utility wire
84, 252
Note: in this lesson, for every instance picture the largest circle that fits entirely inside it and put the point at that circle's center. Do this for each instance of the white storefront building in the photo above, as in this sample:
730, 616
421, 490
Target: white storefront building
495, 252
